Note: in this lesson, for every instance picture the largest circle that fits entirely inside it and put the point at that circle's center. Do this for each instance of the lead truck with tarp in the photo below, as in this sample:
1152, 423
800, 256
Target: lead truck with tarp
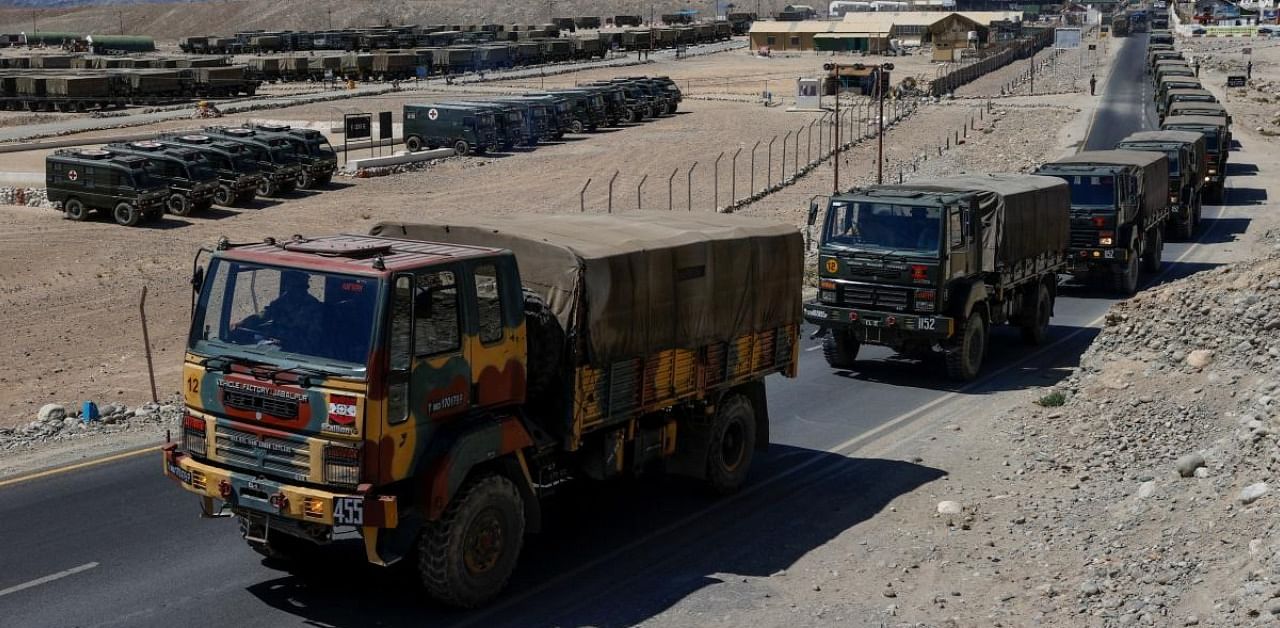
429, 386
930, 266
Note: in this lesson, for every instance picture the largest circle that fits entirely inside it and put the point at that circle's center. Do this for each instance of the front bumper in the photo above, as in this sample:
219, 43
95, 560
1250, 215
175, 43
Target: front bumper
1085, 259
321, 168
874, 326
269, 497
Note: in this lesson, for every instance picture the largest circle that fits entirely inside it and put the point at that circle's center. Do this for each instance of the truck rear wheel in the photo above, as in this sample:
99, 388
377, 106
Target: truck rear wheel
1036, 329
466, 558
732, 444
126, 215
1155, 247
840, 348
73, 209
964, 358
178, 204
1125, 281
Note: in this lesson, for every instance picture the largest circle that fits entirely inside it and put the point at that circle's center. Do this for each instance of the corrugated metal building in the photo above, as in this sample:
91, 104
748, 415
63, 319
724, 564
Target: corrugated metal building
871, 31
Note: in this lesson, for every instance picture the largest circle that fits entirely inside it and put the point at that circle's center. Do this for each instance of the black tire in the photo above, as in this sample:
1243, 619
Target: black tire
1152, 253
964, 359
178, 204
126, 215
1125, 281
413, 143
545, 341
840, 348
73, 209
457, 560
576, 126
732, 444
632, 117
1185, 230
1035, 330
268, 188
461, 148
224, 195
305, 180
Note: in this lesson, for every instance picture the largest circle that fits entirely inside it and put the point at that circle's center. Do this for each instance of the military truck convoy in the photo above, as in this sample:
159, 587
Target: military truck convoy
219, 165
927, 268
430, 386
482, 124
79, 83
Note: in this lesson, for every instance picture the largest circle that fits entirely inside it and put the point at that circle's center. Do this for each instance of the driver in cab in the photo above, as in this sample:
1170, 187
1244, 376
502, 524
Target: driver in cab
293, 318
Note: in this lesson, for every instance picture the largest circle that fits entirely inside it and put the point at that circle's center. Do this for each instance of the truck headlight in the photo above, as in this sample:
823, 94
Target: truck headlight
194, 440
341, 465
1106, 238
827, 296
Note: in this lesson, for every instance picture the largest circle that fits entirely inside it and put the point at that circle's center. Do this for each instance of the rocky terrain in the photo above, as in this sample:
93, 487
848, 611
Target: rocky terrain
58, 422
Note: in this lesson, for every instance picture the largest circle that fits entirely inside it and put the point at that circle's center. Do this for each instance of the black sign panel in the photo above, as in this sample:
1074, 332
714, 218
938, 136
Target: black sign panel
384, 125
357, 125
1235, 80
1093, 46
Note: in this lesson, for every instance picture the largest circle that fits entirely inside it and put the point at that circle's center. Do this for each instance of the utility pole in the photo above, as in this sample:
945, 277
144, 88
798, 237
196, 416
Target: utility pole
120, 14
330, 18
880, 139
835, 152
1033, 72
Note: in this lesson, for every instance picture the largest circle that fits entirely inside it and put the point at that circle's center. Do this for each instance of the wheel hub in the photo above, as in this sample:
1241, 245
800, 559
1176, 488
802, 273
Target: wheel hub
484, 542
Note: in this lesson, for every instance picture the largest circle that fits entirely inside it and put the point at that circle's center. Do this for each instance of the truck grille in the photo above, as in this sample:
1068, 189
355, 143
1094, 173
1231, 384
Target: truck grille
1084, 238
874, 296
268, 454
280, 408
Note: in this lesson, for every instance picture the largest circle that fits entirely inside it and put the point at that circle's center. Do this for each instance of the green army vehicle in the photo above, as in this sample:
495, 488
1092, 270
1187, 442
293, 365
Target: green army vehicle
315, 153
191, 180
1185, 95
1119, 208
1217, 146
512, 128
466, 129
1187, 163
280, 165
239, 176
931, 266
83, 180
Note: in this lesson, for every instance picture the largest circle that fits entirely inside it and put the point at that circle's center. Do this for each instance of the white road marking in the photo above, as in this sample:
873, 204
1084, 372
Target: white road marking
47, 579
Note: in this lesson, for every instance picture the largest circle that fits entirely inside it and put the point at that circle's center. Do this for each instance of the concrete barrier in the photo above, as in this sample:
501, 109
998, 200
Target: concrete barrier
400, 158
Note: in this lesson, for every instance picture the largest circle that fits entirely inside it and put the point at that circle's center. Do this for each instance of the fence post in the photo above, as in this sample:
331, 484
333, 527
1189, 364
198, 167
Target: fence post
808, 148
670, 179
782, 168
822, 124
753, 167
715, 182
611, 180
582, 196
795, 159
733, 177
689, 186
768, 173
638, 187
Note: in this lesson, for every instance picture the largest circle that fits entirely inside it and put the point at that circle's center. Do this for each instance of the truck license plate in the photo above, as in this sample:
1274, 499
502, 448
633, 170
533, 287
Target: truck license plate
928, 323
870, 322
348, 511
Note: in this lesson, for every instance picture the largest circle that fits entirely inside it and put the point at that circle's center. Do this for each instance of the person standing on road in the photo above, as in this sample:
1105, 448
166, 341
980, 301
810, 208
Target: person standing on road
1248, 70
1093, 84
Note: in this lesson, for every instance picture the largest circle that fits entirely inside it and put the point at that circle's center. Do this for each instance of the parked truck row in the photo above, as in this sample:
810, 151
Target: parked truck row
186, 173
482, 124
48, 87
928, 268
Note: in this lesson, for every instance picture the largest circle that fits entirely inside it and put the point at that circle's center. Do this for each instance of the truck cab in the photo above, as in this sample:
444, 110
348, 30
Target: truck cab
587, 109
239, 175
192, 182
559, 109
109, 183
315, 153
280, 165
1217, 146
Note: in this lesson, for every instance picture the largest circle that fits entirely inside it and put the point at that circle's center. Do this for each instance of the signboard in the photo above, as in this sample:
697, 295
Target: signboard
328, 75
1066, 38
357, 125
384, 125
1247, 51
1236, 80
1093, 46
807, 93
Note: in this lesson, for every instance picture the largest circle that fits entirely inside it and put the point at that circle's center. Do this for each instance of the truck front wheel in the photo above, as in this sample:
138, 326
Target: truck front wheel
733, 443
1125, 281
178, 204
964, 358
840, 348
224, 195
461, 148
466, 557
1036, 329
413, 143
73, 209
126, 215
1155, 247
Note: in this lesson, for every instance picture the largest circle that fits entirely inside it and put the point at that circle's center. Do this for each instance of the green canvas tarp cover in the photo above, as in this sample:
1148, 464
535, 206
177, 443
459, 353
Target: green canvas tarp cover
1023, 215
626, 285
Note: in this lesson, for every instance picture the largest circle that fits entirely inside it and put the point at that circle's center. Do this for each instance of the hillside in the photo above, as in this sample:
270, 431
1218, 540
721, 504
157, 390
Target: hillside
171, 20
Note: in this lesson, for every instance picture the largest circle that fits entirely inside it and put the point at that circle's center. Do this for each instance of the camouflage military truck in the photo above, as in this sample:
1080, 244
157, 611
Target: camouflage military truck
280, 165
315, 153
466, 129
1119, 209
238, 173
931, 266
102, 181
191, 180
429, 387
1217, 146
1187, 163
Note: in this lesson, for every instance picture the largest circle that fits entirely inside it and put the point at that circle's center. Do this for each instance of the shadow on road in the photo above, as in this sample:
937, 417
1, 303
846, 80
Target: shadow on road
1222, 230
1241, 170
689, 542
1245, 196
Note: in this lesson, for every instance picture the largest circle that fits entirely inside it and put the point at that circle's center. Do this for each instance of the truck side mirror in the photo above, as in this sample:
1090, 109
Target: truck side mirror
197, 278
813, 210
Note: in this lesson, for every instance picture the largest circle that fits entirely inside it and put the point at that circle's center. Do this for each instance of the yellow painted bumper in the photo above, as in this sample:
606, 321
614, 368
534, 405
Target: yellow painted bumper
360, 509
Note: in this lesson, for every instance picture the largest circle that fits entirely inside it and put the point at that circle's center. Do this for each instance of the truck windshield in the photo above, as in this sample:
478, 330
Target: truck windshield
1090, 190
246, 164
884, 226
283, 155
285, 313
142, 180
200, 171
320, 148
1173, 162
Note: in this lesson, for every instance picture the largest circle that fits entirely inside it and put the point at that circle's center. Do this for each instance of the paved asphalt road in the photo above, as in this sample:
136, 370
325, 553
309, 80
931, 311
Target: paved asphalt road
117, 545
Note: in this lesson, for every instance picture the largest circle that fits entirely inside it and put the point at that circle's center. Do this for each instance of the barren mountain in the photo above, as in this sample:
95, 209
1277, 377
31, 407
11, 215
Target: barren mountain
169, 21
